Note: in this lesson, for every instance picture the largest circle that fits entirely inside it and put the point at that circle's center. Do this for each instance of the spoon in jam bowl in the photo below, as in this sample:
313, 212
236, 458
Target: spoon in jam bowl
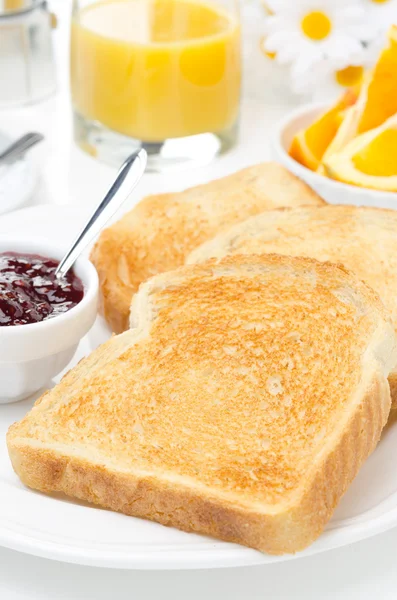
43, 317
127, 178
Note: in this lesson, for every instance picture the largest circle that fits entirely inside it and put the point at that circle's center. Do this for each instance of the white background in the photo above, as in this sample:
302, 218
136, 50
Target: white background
361, 571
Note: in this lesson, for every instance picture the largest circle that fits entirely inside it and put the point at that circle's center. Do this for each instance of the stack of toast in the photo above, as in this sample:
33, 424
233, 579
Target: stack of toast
253, 371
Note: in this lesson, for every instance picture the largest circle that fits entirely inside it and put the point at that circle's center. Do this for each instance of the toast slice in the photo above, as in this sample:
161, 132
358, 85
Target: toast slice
241, 404
363, 239
158, 234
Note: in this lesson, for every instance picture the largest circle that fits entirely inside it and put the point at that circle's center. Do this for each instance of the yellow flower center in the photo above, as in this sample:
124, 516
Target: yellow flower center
349, 76
316, 25
379, 1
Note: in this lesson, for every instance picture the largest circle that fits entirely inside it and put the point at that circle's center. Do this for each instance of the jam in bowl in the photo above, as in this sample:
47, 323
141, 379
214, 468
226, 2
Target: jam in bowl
55, 314
30, 292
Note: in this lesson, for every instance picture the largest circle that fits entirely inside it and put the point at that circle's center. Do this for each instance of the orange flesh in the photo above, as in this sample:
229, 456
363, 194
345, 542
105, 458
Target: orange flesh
328, 125
302, 155
382, 91
320, 134
379, 158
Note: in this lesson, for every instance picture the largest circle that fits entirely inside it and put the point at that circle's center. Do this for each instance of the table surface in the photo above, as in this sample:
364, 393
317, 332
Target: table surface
360, 571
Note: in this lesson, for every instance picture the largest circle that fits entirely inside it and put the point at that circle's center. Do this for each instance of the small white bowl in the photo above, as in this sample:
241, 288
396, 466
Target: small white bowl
332, 191
31, 355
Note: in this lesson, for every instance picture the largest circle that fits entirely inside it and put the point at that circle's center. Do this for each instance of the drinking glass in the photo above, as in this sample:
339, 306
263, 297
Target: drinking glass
159, 74
27, 69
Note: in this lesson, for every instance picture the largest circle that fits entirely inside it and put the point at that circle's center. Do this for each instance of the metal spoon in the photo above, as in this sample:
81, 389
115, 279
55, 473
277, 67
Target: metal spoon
18, 148
127, 178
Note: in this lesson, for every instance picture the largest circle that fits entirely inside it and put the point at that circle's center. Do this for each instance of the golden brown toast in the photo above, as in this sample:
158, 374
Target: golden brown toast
241, 404
363, 239
159, 233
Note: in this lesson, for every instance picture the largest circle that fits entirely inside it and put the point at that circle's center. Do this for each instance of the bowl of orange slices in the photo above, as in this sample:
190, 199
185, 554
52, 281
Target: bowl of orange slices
348, 151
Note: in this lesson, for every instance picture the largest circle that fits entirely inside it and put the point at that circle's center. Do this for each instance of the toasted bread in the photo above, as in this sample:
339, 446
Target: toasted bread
159, 233
363, 239
241, 403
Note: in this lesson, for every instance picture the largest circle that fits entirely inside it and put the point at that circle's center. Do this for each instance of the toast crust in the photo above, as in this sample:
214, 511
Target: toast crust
393, 389
158, 233
151, 498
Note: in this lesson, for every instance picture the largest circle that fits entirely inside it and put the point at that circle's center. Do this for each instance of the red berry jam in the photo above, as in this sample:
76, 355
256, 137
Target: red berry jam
30, 292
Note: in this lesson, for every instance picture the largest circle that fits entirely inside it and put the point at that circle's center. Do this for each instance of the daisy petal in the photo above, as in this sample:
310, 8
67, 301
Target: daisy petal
303, 63
278, 41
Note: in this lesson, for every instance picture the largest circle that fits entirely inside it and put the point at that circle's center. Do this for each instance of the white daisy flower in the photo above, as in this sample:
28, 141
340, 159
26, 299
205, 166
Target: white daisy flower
304, 33
381, 13
324, 83
373, 49
327, 80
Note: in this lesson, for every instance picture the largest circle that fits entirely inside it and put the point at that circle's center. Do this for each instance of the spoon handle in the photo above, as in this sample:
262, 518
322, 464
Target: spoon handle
127, 178
20, 146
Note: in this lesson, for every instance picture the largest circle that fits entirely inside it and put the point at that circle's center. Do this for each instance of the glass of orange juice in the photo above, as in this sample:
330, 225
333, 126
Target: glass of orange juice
159, 74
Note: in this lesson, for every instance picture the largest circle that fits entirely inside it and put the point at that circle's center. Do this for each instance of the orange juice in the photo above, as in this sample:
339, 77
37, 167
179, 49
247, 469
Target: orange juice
156, 69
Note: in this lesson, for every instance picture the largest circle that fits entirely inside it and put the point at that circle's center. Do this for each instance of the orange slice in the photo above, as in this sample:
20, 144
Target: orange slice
309, 145
377, 100
370, 160
381, 94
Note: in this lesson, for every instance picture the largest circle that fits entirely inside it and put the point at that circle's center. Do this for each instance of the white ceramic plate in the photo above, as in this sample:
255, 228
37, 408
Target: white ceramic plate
17, 181
61, 529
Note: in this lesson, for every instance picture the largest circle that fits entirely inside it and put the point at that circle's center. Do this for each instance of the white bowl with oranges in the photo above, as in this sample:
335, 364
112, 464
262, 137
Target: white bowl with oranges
333, 191
348, 151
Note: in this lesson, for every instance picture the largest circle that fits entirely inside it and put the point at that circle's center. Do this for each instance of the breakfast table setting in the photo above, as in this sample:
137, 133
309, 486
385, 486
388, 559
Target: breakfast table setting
87, 155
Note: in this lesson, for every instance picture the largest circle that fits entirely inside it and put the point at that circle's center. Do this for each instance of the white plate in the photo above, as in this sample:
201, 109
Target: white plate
17, 181
65, 530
